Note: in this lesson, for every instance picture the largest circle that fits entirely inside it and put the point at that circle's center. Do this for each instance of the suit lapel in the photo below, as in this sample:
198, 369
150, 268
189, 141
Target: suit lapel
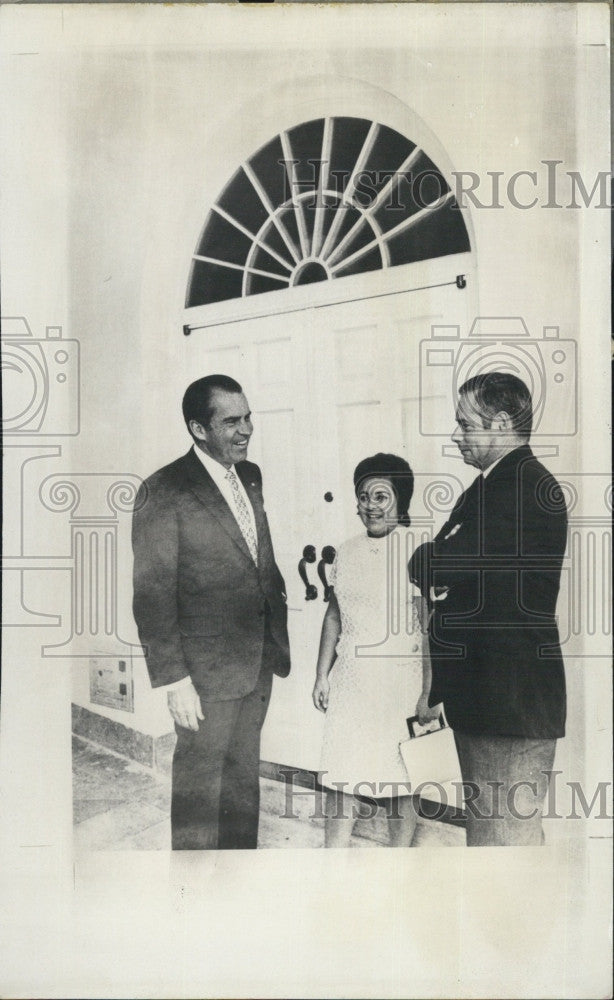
204, 489
471, 506
466, 510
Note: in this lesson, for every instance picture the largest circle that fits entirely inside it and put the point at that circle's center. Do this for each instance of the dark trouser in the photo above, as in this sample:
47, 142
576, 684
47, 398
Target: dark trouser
505, 782
216, 790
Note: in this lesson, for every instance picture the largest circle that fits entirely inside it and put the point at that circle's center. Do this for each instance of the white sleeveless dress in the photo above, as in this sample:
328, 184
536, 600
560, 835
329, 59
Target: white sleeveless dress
376, 679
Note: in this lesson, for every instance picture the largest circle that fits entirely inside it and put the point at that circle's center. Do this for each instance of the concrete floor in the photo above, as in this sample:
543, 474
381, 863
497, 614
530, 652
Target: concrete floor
121, 805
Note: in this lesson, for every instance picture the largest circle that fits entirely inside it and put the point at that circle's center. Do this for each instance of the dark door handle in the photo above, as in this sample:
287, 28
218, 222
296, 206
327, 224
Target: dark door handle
309, 556
328, 558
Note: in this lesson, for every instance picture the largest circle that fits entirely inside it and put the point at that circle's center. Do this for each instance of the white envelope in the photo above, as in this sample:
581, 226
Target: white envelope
430, 755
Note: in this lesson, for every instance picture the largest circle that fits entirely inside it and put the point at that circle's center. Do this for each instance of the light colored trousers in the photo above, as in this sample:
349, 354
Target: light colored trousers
505, 780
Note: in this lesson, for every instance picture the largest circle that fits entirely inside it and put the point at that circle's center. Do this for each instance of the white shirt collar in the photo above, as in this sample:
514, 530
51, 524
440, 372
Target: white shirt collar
216, 470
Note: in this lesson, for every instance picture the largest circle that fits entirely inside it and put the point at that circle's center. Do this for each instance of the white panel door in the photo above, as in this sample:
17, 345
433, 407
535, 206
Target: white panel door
274, 360
328, 386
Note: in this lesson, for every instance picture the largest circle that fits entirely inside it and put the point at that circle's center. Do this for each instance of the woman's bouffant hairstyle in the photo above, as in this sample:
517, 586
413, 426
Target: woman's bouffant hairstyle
399, 474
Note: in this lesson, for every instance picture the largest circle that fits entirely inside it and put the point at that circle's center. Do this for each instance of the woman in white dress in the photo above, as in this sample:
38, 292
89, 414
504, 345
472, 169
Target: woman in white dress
373, 665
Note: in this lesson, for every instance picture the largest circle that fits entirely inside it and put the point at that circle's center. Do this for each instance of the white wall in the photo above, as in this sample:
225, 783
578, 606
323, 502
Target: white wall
98, 224
144, 139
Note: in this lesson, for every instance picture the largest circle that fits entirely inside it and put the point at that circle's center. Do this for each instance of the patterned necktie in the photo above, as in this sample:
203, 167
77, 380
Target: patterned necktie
243, 518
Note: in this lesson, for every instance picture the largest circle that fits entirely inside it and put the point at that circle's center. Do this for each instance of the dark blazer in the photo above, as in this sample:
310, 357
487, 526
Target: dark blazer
200, 603
496, 658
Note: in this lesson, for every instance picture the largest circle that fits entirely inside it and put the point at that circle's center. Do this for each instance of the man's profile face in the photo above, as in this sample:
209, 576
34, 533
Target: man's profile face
227, 436
478, 445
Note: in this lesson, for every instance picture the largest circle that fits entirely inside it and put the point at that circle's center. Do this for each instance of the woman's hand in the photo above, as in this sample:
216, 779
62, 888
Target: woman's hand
424, 712
320, 693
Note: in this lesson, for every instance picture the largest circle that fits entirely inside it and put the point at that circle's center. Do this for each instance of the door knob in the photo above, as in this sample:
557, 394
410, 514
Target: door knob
309, 556
328, 558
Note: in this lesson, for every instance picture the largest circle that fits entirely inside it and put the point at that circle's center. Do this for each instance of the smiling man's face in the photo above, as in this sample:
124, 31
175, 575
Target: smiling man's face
227, 435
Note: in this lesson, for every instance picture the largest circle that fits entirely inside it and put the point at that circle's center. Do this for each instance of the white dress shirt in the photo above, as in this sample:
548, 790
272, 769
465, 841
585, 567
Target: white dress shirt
217, 471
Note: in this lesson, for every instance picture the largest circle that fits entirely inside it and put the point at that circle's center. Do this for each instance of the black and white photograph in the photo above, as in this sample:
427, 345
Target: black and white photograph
306, 346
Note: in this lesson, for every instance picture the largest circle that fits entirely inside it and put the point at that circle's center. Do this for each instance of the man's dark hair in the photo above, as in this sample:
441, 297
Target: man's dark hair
497, 391
397, 471
197, 404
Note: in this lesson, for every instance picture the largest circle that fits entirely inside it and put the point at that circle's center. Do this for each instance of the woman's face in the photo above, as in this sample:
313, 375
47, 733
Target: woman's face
377, 505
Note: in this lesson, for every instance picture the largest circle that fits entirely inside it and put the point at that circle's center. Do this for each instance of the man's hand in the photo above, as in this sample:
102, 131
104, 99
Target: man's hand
184, 706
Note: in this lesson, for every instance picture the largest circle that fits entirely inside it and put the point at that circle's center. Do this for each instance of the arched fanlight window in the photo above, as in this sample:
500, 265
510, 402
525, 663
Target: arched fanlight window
326, 199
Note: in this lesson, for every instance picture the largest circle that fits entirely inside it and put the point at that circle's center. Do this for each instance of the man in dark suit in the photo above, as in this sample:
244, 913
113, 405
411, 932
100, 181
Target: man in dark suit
209, 603
492, 577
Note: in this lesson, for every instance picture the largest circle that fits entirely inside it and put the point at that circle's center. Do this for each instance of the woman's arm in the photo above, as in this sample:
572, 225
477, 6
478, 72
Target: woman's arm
331, 630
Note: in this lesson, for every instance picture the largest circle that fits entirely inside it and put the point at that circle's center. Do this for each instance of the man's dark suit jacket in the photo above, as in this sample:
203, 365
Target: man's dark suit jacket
496, 658
200, 603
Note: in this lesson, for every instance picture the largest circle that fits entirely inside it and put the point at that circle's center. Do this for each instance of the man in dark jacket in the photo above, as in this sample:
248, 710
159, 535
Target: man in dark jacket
209, 603
492, 577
